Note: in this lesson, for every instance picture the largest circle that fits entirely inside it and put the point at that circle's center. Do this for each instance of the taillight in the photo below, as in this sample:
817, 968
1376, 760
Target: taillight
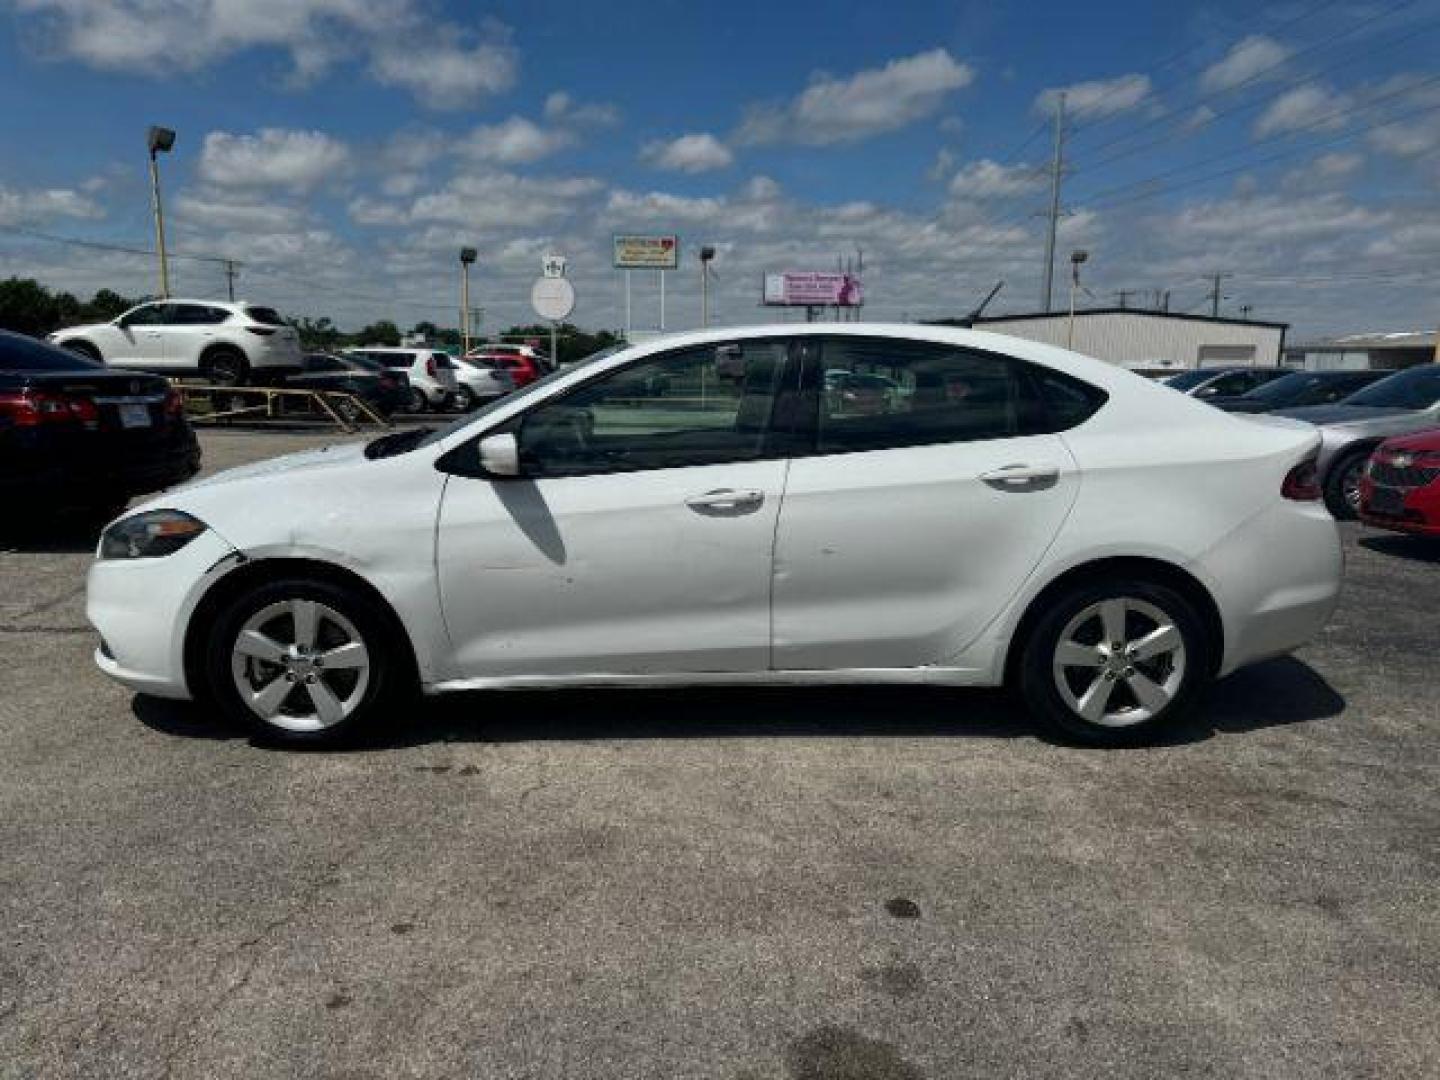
174, 404
430, 367
1302, 483
32, 408
261, 331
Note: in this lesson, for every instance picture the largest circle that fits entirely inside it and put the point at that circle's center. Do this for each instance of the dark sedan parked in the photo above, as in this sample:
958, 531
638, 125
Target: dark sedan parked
74, 434
1223, 382
383, 390
1299, 390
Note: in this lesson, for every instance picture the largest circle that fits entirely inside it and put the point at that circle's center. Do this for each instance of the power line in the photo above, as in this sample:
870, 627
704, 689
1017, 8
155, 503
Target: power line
1172, 112
100, 245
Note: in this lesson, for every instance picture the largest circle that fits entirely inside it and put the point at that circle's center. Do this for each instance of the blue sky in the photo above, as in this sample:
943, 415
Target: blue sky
343, 149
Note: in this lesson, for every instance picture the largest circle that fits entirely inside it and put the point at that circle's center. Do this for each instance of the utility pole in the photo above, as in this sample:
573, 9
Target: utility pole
1214, 294
1057, 168
232, 271
1245, 310
1122, 296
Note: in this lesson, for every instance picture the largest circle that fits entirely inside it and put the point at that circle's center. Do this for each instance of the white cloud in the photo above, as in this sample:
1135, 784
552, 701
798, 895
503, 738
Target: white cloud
561, 107
40, 205
490, 200
694, 153
1305, 108
275, 158
1271, 219
1247, 60
986, 179
516, 141
1202, 115
870, 102
443, 64
1098, 98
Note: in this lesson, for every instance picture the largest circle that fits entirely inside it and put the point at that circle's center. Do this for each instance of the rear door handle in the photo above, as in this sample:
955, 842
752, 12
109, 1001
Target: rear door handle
727, 501
1021, 477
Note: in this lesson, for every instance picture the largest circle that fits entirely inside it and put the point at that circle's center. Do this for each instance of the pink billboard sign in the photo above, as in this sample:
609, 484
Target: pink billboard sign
812, 288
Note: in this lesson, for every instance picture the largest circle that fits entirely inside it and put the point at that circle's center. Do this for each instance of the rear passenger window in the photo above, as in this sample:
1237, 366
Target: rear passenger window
1066, 402
879, 393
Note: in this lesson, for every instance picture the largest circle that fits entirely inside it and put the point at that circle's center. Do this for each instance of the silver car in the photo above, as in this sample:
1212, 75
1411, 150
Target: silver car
1351, 429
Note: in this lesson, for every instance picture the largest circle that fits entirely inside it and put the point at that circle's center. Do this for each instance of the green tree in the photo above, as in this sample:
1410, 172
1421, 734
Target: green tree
383, 332
316, 335
27, 307
106, 305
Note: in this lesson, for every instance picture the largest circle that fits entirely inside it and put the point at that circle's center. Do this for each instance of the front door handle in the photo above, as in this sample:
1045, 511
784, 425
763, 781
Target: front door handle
1021, 477
727, 501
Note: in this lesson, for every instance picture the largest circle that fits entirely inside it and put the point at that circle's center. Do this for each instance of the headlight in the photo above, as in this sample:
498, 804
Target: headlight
149, 535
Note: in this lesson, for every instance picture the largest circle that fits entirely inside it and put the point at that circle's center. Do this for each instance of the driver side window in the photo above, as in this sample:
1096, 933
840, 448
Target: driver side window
696, 406
149, 315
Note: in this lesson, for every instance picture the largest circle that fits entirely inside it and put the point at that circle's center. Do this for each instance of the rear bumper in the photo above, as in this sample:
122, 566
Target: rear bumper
1276, 581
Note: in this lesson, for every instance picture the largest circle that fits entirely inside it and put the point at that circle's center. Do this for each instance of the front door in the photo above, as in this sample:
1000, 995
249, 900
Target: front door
934, 489
142, 336
639, 537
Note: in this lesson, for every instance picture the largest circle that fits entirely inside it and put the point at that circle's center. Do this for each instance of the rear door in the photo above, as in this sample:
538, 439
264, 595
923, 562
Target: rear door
928, 499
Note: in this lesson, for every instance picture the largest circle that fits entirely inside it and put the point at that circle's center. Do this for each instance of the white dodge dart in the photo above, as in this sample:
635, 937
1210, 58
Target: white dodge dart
783, 504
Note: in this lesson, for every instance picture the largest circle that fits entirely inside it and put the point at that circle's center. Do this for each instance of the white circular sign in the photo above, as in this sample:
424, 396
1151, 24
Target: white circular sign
553, 298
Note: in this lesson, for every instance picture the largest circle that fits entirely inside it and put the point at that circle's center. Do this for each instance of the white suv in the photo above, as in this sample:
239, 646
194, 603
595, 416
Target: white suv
227, 343
432, 373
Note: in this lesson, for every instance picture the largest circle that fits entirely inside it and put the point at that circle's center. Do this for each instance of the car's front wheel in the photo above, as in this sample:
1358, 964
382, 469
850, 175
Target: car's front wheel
1111, 662
415, 401
304, 661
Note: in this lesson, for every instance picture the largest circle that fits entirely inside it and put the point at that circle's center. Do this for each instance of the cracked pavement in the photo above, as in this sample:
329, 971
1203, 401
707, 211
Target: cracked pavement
793, 884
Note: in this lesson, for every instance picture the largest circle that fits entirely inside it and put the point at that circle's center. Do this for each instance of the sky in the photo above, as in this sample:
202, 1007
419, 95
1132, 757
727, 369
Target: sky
342, 151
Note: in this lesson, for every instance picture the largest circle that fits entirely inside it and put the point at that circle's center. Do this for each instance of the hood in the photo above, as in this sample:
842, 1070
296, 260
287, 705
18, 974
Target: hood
1342, 414
326, 457
1419, 443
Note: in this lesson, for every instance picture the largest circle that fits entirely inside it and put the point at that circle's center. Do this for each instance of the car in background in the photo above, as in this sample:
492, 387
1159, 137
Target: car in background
430, 373
383, 390
481, 381
1298, 390
582, 532
1223, 382
75, 435
1400, 488
1405, 402
229, 344
524, 363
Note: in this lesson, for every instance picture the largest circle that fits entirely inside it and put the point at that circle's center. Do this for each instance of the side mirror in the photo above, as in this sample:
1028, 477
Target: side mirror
500, 455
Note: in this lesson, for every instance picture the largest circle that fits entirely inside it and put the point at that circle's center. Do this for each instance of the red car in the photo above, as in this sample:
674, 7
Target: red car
1400, 489
523, 363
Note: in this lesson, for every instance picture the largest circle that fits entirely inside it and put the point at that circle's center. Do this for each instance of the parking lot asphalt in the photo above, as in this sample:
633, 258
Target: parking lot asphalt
794, 884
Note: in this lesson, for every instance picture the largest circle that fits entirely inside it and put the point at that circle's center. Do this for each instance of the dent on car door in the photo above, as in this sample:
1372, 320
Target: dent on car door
923, 509
138, 341
638, 537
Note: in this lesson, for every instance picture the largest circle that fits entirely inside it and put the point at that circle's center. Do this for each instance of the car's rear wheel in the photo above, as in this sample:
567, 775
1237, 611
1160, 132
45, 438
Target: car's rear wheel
415, 400
226, 367
1342, 486
1111, 662
304, 661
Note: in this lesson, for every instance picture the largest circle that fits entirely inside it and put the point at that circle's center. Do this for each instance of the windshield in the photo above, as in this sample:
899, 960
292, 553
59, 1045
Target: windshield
434, 435
1418, 388
19, 353
1283, 388
1188, 380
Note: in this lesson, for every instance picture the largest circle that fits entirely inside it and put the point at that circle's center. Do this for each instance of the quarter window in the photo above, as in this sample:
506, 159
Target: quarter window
695, 406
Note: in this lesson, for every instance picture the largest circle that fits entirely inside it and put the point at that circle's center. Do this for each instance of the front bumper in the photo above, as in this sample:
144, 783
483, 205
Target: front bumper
1419, 509
142, 608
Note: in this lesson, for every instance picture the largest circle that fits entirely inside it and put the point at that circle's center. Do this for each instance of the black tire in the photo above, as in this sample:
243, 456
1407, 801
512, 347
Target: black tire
85, 349
465, 399
415, 400
348, 410
1343, 473
226, 367
388, 678
1180, 677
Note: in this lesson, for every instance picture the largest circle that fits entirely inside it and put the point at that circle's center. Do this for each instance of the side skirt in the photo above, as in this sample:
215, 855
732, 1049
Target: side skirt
925, 676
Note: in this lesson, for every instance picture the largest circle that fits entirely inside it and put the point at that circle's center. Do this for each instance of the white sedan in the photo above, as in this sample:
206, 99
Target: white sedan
698, 510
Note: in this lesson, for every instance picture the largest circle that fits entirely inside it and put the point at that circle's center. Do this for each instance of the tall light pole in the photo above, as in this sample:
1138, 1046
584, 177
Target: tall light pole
159, 140
1076, 258
467, 257
707, 253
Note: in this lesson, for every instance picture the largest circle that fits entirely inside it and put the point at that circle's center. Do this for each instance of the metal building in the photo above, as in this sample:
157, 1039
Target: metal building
1367, 352
1151, 341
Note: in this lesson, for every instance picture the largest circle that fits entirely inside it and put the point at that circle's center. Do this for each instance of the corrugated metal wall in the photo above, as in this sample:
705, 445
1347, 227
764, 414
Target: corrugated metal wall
1138, 339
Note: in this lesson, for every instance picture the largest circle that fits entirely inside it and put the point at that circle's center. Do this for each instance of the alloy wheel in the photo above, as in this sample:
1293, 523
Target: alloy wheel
300, 665
1119, 662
